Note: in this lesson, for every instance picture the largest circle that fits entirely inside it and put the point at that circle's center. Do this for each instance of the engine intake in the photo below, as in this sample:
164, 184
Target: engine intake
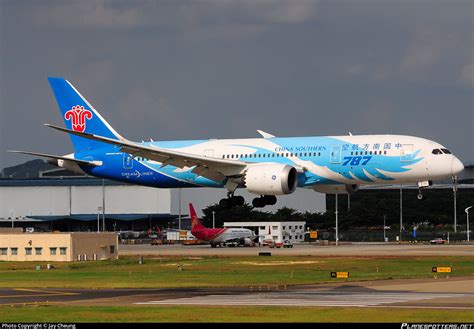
271, 179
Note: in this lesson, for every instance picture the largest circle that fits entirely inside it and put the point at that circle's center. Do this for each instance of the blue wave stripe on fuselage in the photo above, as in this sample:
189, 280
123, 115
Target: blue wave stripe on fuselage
170, 176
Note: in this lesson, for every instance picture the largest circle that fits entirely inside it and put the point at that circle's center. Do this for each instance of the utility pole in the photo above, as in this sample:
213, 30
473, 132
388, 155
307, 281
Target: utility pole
213, 219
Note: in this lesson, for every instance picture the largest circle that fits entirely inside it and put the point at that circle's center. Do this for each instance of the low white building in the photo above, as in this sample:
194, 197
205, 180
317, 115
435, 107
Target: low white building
276, 231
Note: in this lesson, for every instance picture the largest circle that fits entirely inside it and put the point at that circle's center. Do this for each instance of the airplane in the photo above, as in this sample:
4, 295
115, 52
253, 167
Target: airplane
218, 236
267, 167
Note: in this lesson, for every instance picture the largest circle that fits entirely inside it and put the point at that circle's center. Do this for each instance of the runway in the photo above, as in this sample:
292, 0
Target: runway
446, 293
367, 249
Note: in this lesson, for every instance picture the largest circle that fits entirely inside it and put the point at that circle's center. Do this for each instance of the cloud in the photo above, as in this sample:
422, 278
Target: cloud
282, 11
91, 14
179, 15
424, 52
467, 75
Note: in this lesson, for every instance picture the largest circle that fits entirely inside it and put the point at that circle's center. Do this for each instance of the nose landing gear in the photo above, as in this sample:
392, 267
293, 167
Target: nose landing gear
422, 185
420, 195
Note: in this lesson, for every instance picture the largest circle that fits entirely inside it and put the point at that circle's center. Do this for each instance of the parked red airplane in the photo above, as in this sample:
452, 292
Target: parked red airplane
218, 236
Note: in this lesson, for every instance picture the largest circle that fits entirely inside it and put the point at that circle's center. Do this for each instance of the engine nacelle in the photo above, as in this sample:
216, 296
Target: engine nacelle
337, 189
247, 242
271, 179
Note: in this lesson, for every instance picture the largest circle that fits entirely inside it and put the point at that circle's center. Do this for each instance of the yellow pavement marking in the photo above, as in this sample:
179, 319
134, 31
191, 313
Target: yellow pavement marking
43, 293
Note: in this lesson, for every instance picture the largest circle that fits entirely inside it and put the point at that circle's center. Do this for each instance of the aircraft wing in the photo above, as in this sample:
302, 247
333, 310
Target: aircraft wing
212, 168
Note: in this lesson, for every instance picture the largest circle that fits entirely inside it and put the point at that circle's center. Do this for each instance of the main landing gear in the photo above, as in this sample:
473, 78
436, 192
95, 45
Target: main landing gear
232, 201
264, 200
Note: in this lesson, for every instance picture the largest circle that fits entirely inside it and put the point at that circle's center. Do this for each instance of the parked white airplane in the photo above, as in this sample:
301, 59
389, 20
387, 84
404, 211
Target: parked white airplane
267, 166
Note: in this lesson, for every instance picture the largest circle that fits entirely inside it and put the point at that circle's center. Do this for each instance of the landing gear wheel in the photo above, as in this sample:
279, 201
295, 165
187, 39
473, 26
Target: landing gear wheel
238, 200
419, 196
264, 200
258, 203
270, 200
225, 203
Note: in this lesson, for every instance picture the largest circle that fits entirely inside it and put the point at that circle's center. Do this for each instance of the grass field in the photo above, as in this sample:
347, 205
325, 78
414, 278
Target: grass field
228, 314
175, 272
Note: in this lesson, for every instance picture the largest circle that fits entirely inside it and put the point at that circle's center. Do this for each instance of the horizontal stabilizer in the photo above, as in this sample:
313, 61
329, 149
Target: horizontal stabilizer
58, 157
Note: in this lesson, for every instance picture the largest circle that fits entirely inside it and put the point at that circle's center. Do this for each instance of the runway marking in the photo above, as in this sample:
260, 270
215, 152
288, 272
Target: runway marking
308, 299
43, 293
51, 292
29, 303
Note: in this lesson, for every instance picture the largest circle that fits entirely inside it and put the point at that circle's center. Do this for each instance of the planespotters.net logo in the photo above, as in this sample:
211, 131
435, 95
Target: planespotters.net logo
437, 326
78, 115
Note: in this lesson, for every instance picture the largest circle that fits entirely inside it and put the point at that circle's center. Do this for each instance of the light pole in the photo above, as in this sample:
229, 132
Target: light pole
455, 190
99, 209
401, 212
384, 238
213, 219
103, 205
467, 215
12, 219
337, 229
179, 217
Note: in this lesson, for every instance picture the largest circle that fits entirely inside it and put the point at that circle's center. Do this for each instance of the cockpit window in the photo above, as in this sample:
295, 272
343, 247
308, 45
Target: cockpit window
437, 151
445, 151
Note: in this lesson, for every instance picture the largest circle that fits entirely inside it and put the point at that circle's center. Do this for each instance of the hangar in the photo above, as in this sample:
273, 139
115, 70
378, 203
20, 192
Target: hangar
37, 196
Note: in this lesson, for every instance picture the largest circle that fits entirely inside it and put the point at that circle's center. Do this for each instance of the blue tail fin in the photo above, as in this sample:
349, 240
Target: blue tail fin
79, 115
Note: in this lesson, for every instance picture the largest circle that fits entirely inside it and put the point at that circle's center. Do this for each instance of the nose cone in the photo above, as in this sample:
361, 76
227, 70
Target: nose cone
456, 166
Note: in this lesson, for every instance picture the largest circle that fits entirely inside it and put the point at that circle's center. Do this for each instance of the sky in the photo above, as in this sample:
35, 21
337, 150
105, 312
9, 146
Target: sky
172, 70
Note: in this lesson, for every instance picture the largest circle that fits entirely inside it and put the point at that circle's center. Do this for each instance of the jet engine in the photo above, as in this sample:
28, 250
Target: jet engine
270, 179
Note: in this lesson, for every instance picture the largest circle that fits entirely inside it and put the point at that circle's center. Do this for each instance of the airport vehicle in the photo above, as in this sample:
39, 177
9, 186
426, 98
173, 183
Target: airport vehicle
287, 244
266, 166
438, 241
220, 236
